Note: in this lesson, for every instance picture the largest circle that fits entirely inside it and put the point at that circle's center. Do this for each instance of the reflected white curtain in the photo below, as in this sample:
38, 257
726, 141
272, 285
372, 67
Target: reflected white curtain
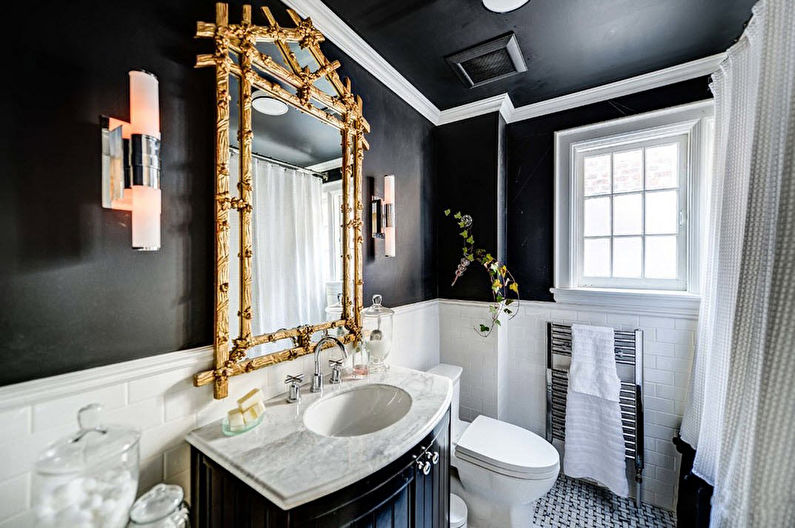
289, 264
741, 411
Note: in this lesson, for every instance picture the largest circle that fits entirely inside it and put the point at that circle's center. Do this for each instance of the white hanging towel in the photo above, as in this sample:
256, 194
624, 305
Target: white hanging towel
594, 437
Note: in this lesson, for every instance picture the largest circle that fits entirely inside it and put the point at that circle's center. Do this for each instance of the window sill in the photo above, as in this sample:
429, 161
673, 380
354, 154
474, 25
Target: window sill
645, 302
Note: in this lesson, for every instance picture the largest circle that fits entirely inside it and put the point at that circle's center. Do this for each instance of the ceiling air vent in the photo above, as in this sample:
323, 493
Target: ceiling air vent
495, 59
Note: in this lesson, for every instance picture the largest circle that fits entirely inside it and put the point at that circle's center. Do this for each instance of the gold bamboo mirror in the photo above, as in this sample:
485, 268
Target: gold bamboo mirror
288, 184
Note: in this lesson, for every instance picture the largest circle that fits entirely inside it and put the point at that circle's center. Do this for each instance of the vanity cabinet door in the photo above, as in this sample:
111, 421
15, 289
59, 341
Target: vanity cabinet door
432, 489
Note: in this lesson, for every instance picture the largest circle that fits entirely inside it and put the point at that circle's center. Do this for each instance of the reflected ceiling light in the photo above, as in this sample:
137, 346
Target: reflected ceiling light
503, 6
265, 104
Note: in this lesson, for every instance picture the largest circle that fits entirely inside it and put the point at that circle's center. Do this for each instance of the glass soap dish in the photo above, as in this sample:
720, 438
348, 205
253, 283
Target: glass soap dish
249, 426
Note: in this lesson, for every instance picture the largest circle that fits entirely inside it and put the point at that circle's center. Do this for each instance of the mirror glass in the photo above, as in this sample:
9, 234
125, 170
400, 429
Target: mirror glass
296, 217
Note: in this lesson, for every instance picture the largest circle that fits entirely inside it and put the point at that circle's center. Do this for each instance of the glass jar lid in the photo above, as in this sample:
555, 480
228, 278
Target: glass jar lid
157, 503
377, 309
89, 447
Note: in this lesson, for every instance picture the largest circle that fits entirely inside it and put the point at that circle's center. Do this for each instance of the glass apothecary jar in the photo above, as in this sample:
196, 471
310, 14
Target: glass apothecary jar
377, 333
88, 478
161, 507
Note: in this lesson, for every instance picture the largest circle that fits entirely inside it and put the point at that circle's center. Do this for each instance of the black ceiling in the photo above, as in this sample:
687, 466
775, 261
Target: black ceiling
569, 45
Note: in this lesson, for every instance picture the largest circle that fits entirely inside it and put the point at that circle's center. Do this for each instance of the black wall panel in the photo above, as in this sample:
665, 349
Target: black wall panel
467, 180
74, 295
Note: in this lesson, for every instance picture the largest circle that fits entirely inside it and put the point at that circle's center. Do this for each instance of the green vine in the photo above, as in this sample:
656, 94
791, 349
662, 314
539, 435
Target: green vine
503, 285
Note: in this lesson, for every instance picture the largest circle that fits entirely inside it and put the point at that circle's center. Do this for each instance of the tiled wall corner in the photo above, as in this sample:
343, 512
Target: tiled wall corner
165, 406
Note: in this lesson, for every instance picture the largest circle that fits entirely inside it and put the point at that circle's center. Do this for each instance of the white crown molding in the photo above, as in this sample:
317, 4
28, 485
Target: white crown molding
62, 385
640, 83
356, 48
338, 32
499, 103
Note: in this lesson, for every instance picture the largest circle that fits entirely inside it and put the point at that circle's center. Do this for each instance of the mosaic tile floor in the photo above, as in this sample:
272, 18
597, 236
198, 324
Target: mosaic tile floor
573, 503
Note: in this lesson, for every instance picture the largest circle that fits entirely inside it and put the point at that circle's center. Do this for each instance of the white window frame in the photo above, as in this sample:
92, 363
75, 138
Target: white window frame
692, 123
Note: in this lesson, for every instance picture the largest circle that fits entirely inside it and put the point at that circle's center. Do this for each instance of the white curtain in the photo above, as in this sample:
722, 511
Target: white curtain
289, 263
741, 411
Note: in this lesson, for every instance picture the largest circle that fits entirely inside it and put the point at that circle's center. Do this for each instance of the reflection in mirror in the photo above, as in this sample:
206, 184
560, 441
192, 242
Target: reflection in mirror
296, 219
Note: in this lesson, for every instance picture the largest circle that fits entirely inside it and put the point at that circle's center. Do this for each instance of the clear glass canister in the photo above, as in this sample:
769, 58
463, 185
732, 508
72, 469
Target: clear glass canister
161, 507
377, 333
89, 478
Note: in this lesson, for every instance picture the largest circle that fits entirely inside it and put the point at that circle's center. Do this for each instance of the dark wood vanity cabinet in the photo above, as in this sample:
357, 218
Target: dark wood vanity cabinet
413, 491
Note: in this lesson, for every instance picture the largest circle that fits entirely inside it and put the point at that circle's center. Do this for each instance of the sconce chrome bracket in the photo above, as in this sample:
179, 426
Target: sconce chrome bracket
145, 160
115, 163
126, 162
377, 217
389, 215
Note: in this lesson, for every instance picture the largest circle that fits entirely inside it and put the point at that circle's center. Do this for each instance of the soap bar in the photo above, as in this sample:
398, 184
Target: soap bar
254, 396
252, 413
235, 419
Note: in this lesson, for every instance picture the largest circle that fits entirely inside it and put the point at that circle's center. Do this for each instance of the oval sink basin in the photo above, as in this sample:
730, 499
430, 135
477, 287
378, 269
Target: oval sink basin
359, 411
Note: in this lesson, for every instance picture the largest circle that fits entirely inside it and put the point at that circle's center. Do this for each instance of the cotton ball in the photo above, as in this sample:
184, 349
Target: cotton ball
92, 502
69, 494
108, 506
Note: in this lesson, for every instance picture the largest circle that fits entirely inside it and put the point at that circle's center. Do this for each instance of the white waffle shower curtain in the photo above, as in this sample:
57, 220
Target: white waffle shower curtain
741, 410
289, 264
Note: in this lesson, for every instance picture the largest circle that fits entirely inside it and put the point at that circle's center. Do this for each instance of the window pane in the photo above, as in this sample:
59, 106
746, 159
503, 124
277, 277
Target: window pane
597, 217
596, 260
627, 256
662, 166
661, 257
628, 171
627, 214
597, 174
662, 210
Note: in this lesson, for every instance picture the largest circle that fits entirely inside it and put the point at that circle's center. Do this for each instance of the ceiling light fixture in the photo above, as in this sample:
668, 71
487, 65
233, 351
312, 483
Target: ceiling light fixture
265, 104
503, 6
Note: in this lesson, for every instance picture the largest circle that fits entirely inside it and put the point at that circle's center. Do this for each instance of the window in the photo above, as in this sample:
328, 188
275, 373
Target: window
628, 199
632, 207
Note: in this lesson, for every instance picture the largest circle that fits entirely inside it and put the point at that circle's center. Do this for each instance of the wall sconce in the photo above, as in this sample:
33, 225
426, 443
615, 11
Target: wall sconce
383, 215
131, 162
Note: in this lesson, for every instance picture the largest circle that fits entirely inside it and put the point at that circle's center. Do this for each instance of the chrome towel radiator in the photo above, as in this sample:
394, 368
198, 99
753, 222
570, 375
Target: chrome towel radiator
629, 364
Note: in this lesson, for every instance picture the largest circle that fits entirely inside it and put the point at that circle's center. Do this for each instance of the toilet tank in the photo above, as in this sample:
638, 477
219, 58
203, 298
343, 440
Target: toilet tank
452, 372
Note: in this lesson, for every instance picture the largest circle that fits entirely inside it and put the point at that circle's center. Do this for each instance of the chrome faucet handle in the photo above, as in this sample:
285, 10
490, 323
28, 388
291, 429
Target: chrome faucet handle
336, 371
295, 387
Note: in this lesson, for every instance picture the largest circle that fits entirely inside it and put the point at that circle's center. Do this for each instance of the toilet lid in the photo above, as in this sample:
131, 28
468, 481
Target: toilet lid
507, 449
458, 511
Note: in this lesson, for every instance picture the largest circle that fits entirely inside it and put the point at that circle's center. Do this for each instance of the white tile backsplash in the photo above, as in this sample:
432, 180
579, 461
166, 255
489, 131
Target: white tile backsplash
164, 406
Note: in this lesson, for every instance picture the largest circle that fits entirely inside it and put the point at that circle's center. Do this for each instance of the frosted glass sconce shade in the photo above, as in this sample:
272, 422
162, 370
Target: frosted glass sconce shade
131, 162
383, 216
144, 104
389, 215
146, 218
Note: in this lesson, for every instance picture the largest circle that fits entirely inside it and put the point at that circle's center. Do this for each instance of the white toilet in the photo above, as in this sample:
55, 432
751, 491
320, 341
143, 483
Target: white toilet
502, 469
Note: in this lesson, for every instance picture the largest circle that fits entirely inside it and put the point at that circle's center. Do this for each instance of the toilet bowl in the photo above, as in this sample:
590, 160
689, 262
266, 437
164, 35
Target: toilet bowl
502, 469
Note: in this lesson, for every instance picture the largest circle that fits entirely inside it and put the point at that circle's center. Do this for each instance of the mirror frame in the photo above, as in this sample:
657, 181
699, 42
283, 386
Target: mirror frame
240, 40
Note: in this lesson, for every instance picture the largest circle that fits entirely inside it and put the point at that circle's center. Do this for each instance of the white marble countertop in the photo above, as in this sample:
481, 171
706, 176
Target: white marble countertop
290, 465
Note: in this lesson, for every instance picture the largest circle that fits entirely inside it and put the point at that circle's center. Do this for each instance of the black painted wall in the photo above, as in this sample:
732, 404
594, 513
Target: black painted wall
468, 179
74, 294
531, 172
470, 158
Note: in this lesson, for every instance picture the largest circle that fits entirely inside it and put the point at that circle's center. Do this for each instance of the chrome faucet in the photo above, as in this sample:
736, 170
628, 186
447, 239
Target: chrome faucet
317, 378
